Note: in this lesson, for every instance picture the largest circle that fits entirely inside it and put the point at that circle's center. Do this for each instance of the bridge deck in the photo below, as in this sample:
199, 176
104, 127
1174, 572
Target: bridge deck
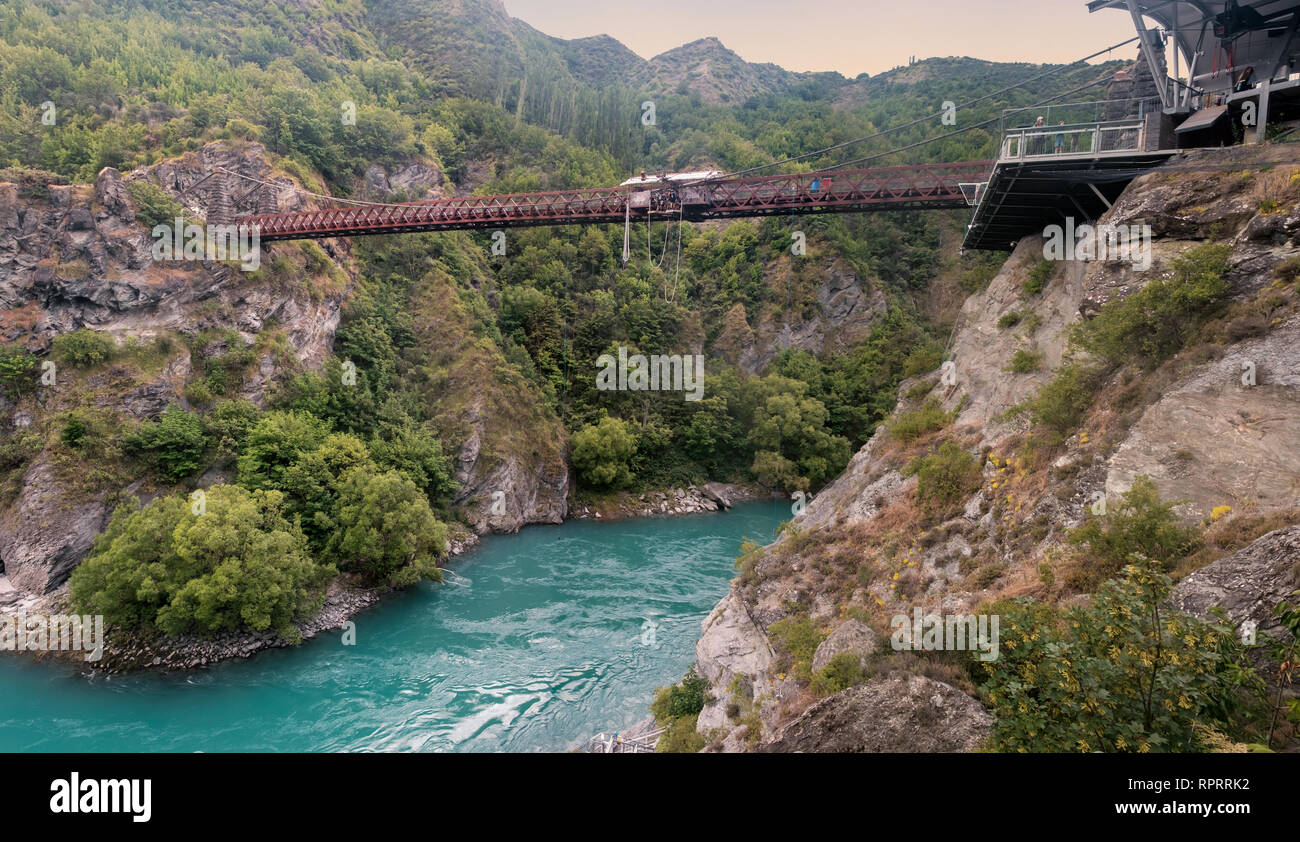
833, 191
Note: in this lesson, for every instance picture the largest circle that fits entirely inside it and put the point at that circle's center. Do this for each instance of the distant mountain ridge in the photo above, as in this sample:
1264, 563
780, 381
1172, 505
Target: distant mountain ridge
475, 46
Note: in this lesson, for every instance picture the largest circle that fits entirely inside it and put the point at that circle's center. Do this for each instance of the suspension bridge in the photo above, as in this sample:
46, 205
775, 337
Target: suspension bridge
923, 186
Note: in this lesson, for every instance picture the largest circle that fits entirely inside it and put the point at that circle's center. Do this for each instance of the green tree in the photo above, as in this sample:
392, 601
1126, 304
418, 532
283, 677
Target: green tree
601, 453
175, 443
312, 483
275, 444
235, 562
385, 530
792, 425
415, 452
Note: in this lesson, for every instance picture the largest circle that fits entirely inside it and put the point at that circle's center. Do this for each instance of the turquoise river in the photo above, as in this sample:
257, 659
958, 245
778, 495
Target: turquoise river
536, 642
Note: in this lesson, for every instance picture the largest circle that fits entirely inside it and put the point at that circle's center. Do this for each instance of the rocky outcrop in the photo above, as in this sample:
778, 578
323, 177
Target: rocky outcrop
504, 496
509, 447
689, 500
77, 256
1212, 440
1206, 436
1248, 584
82, 259
47, 531
895, 713
850, 636
731, 645
983, 345
413, 181
845, 310
720, 494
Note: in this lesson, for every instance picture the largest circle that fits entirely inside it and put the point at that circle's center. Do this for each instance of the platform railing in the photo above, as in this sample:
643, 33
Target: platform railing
1089, 139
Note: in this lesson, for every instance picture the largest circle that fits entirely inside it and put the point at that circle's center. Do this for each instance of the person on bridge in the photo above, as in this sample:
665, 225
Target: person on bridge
1038, 141
1060, 139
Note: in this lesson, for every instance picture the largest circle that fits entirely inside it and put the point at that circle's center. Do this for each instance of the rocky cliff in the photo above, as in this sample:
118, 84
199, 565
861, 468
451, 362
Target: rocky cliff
80, 257
861, 551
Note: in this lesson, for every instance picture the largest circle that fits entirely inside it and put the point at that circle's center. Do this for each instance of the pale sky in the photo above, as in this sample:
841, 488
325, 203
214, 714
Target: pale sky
850, 36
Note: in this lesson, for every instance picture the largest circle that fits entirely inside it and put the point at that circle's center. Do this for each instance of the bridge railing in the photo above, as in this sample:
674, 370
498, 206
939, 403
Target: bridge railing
1091, 139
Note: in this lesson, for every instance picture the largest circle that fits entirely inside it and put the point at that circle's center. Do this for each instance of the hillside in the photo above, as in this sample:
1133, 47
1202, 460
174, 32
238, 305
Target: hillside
1018, 478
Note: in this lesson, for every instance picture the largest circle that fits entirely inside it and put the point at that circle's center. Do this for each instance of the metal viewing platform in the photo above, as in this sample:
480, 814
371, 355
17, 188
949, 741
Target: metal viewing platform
1076, 168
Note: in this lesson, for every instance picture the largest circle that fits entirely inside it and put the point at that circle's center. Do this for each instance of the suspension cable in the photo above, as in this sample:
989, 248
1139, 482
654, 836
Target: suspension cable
928, 117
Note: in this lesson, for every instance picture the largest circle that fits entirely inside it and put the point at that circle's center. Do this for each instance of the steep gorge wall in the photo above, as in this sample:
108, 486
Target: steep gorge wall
1204, 437
77, 256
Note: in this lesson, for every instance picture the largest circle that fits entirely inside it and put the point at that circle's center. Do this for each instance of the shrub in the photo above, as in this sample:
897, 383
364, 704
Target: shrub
908, 426
1155, 322
800, 639
74, 430
1023, 362
944, 479
1287, 272
240, 564
1140, 525
83, 348
601, 453
1121, 675
680, 737
153, 205
1038, 277
19, 372
1061, 403
919, 389
843, 671
684, 699
1010, 319
922, 360
175, 443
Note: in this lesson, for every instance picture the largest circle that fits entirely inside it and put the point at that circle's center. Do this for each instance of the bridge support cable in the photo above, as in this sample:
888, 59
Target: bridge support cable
847, 143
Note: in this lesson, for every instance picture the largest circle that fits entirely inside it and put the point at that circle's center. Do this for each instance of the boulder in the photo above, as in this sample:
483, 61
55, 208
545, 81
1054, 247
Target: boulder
1248, 584
718, 493
849, 636
894, 713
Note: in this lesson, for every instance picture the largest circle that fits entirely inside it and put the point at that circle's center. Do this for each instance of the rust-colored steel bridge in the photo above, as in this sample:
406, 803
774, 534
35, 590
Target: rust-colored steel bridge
915, 187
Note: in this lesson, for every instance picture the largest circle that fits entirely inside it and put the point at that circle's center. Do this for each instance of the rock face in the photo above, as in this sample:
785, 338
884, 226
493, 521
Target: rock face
895, 713
81, 259
45, 534
1213, 441
1248, 584
982, 349
849, 636
845, 310
509, 447
414, 181
731, 644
